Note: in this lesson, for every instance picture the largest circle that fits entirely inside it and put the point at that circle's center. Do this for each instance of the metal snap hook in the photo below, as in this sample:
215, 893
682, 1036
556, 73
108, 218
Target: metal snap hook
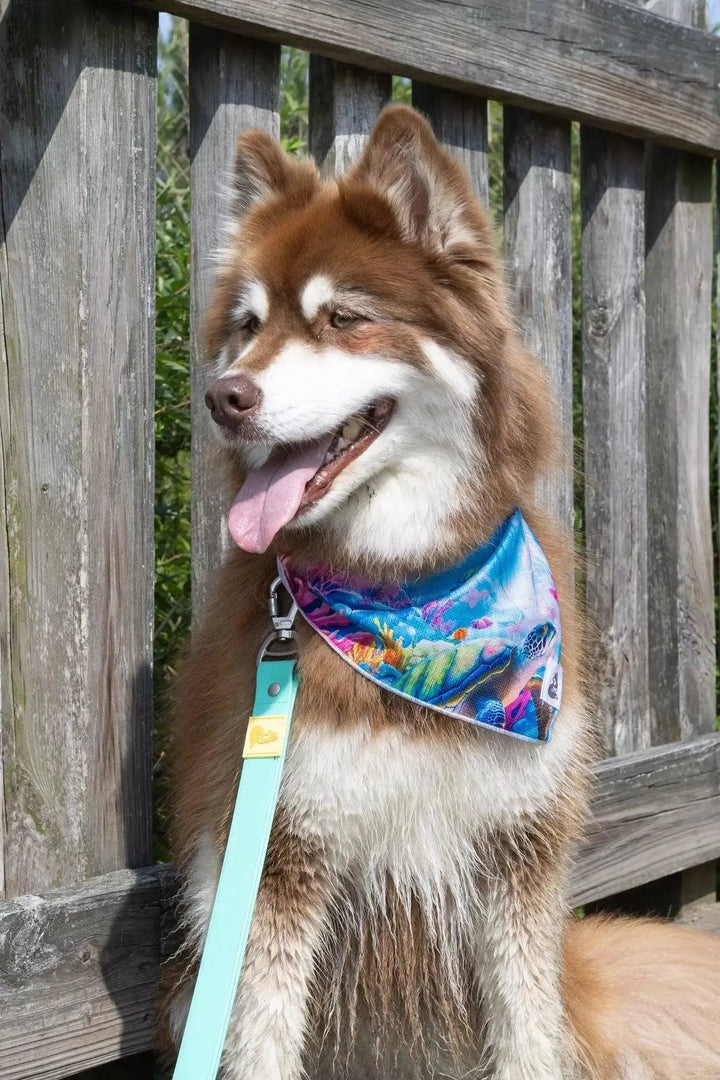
281, 642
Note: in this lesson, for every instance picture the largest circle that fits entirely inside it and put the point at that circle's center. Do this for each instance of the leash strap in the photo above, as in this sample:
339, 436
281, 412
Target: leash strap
224, 951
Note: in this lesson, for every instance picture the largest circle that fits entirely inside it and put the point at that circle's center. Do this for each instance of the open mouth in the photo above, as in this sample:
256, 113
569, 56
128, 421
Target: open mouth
294, 477
348, 443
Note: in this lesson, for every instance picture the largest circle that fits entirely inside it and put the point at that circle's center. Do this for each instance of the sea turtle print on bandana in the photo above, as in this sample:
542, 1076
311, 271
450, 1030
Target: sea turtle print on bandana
480, 641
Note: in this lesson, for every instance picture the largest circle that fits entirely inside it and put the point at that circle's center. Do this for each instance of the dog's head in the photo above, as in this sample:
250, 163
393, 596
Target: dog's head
368, 374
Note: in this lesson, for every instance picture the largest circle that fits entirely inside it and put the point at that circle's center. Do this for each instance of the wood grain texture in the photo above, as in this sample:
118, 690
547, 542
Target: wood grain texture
704, 917
79, 973
234, 85
538, 213
460, 123
613, 372
78, 968
609, 64
6, 705
679, 273
691, 12
680, 573
345, 102
698, 889
77, 184
653, 813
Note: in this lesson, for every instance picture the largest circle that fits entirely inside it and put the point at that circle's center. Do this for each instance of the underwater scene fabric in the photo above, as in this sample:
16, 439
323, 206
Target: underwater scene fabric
480, 641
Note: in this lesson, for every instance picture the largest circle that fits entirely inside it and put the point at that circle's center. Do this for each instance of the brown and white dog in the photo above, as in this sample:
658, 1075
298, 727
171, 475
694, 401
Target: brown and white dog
412, 919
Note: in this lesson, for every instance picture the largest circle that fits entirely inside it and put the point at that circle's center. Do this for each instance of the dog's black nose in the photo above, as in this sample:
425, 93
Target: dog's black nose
231, 399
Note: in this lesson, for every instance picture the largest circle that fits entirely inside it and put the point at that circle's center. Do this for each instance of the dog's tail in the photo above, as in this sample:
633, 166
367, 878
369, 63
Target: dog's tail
643, 999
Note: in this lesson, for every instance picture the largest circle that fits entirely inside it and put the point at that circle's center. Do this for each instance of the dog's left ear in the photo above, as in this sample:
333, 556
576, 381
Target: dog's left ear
263, 172
427, 190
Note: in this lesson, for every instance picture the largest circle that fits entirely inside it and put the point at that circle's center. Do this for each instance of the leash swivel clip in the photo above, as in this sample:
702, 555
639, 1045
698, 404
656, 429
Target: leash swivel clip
281, 642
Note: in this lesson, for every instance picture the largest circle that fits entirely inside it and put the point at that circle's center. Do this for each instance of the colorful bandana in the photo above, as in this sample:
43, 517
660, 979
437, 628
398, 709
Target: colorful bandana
480, 641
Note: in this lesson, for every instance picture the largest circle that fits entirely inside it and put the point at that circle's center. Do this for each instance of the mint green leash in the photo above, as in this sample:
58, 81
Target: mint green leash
227, 936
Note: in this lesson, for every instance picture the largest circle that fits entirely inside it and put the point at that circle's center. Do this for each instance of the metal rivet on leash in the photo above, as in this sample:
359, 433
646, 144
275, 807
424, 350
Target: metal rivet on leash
274, 689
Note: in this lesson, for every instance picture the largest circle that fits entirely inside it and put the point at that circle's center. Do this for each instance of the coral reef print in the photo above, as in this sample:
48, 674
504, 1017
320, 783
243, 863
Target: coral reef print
480, 641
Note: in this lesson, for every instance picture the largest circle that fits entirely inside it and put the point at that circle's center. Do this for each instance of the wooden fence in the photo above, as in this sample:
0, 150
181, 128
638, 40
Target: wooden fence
83, 915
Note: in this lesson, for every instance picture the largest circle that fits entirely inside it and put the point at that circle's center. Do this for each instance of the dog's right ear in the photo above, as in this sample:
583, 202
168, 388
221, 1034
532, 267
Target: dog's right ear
427, 191
263, 171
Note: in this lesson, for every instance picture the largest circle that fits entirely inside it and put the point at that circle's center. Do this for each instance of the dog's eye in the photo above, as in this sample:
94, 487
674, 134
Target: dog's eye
340, 320
250, 323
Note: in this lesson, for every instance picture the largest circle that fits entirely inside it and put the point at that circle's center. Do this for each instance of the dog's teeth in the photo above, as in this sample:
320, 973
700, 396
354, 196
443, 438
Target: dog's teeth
343, 443
351, 430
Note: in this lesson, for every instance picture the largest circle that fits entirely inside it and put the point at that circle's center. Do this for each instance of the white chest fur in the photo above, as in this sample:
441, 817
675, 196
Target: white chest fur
385, 806
390, 803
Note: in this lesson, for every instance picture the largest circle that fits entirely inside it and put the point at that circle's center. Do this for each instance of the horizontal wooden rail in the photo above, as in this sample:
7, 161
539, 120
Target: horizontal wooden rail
78, 968
654, 812
79, 972
611, 64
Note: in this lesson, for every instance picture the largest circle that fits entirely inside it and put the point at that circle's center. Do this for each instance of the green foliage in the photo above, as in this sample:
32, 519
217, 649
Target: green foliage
172, 386
401, 90
294, 100
576, 262
496, 194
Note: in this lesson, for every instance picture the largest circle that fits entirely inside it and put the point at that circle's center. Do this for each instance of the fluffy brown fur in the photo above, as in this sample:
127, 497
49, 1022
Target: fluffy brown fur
459, 976
643, 998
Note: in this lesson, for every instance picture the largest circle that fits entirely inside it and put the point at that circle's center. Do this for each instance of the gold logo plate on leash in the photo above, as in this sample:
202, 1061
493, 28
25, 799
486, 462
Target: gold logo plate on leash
265, 737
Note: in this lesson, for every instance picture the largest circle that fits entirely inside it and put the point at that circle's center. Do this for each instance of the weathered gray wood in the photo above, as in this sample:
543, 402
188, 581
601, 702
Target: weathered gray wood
234, 85
698, 889
77, 182
538, 219
6, 708
679, 275
460, 122
653, 813
613, 335
79, 972
678, 283
78, 968
610, 64
344, 104
704, 917
691, 12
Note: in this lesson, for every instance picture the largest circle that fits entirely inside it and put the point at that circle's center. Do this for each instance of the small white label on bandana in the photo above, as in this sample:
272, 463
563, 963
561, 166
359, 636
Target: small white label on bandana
551, 691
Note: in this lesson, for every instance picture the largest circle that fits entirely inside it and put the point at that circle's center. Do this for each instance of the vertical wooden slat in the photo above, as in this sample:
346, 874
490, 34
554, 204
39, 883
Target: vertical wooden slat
77, 180
344, 104
7, 705
680, 602
613, 336
234, 85
679, 276
538, 250
460, 123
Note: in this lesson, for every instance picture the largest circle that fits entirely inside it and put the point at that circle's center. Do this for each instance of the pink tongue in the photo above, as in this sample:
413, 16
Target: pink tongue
271, 496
